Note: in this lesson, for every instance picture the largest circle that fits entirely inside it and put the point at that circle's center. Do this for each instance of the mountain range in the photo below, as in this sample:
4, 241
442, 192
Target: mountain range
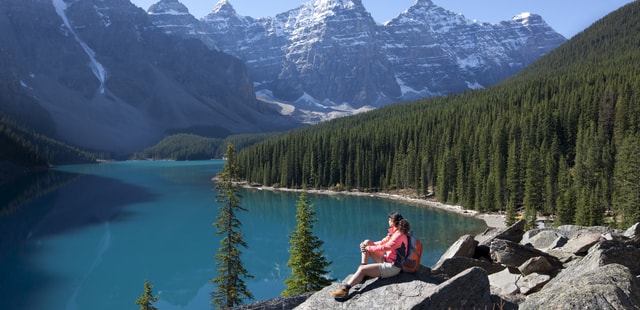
106, 75
329, 57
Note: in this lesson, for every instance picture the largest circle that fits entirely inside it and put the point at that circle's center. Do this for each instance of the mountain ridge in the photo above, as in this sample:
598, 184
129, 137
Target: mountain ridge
332, 56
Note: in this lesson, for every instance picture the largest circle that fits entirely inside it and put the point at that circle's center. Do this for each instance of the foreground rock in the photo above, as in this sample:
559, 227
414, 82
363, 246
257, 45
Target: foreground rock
411, 291
569, 267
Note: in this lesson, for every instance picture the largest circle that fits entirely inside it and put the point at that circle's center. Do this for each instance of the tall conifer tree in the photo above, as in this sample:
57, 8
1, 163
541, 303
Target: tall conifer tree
146, 300
566, 200
230, 287
307, 261
626, 178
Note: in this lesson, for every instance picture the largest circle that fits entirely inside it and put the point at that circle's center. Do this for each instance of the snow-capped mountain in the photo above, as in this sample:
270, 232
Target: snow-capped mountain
99, 74
435, 51
330, 55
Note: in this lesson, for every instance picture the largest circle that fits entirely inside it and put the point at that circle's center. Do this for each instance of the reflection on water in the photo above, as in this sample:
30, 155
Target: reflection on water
96, 232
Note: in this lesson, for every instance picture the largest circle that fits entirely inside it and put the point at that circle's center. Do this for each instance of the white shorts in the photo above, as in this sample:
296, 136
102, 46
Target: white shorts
388, 270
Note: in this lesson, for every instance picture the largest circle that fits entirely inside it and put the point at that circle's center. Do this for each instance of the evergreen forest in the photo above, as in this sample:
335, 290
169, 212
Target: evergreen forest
560, 138
185, 146
23, 146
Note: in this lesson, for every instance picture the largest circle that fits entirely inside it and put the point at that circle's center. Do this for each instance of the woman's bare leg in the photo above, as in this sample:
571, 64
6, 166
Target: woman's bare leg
365, 258
376, 256
372, 270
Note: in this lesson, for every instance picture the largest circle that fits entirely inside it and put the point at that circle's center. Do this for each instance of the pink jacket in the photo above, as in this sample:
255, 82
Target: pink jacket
395, 241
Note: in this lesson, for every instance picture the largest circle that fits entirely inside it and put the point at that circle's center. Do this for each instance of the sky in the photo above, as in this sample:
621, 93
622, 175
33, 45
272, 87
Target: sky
568, 17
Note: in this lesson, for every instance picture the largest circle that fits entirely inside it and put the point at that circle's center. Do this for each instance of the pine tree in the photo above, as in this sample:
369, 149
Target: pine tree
533, 190
307, 261
230, 287
566, 200
627, 181
146, 300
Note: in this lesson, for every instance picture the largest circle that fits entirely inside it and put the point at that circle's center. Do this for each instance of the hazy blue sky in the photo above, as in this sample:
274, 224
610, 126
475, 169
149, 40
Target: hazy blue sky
568, 17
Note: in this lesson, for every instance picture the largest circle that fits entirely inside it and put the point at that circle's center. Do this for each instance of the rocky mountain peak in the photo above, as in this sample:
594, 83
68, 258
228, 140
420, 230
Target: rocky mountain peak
317, 12
423, 3
168, 7
529, 20
224, 7
425, 12
522, 16
345, 4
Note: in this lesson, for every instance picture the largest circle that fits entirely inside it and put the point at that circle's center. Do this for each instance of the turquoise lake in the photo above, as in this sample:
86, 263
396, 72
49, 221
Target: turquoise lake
87, 236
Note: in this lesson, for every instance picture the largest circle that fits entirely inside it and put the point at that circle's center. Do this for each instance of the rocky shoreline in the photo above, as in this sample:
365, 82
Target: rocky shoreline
568, 267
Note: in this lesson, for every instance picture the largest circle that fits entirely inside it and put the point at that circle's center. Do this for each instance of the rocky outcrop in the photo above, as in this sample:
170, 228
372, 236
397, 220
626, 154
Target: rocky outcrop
549, 268
411, 291
606, 278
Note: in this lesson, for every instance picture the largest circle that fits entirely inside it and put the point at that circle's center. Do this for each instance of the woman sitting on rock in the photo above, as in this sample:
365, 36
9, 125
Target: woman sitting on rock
387, 255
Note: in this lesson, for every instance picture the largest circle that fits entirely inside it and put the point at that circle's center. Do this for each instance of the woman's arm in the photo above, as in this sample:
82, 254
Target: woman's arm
383, 241
387, 244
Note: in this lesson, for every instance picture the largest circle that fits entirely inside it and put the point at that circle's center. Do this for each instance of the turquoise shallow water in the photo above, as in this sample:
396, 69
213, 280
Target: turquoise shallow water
87, 236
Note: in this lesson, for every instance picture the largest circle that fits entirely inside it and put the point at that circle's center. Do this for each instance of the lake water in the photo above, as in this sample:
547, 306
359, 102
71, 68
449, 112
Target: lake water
87, 236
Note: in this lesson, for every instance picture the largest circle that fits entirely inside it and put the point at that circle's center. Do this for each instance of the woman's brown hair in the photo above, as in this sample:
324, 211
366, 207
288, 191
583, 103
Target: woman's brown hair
400, 222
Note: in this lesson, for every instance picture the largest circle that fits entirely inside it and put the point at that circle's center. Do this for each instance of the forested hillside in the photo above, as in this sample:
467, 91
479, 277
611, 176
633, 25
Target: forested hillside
562, 137
24, 147
195, 147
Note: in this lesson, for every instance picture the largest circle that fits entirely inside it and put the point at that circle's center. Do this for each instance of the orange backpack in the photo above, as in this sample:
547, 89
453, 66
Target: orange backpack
412, 262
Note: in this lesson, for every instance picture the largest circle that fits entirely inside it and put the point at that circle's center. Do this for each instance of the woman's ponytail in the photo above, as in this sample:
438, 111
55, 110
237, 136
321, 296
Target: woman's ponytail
404, 226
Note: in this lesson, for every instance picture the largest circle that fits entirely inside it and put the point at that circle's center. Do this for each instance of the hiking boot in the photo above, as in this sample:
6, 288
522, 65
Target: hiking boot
342, 292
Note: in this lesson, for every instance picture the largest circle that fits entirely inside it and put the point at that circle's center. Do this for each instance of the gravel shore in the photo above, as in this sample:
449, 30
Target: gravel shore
493, 220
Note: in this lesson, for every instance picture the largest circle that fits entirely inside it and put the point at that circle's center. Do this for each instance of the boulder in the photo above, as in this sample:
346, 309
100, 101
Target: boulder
623, 252
633, 231
532, 283
540, 264
503, 283
411, 291
564, 257
606, 278
512, 254
452, 266
407, 289
512, 233
580, 244
609, 287
543, 239
456, 293
573, 231
465, 246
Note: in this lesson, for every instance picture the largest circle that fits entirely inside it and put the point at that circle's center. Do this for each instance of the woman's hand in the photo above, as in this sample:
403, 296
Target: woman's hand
363, 245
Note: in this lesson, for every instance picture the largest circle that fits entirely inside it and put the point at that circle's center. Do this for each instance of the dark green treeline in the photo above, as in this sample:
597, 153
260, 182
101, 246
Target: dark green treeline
562, 137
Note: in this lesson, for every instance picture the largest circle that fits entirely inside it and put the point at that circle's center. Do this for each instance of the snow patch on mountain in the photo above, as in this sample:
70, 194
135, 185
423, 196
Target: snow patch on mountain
96, 67
308, 109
